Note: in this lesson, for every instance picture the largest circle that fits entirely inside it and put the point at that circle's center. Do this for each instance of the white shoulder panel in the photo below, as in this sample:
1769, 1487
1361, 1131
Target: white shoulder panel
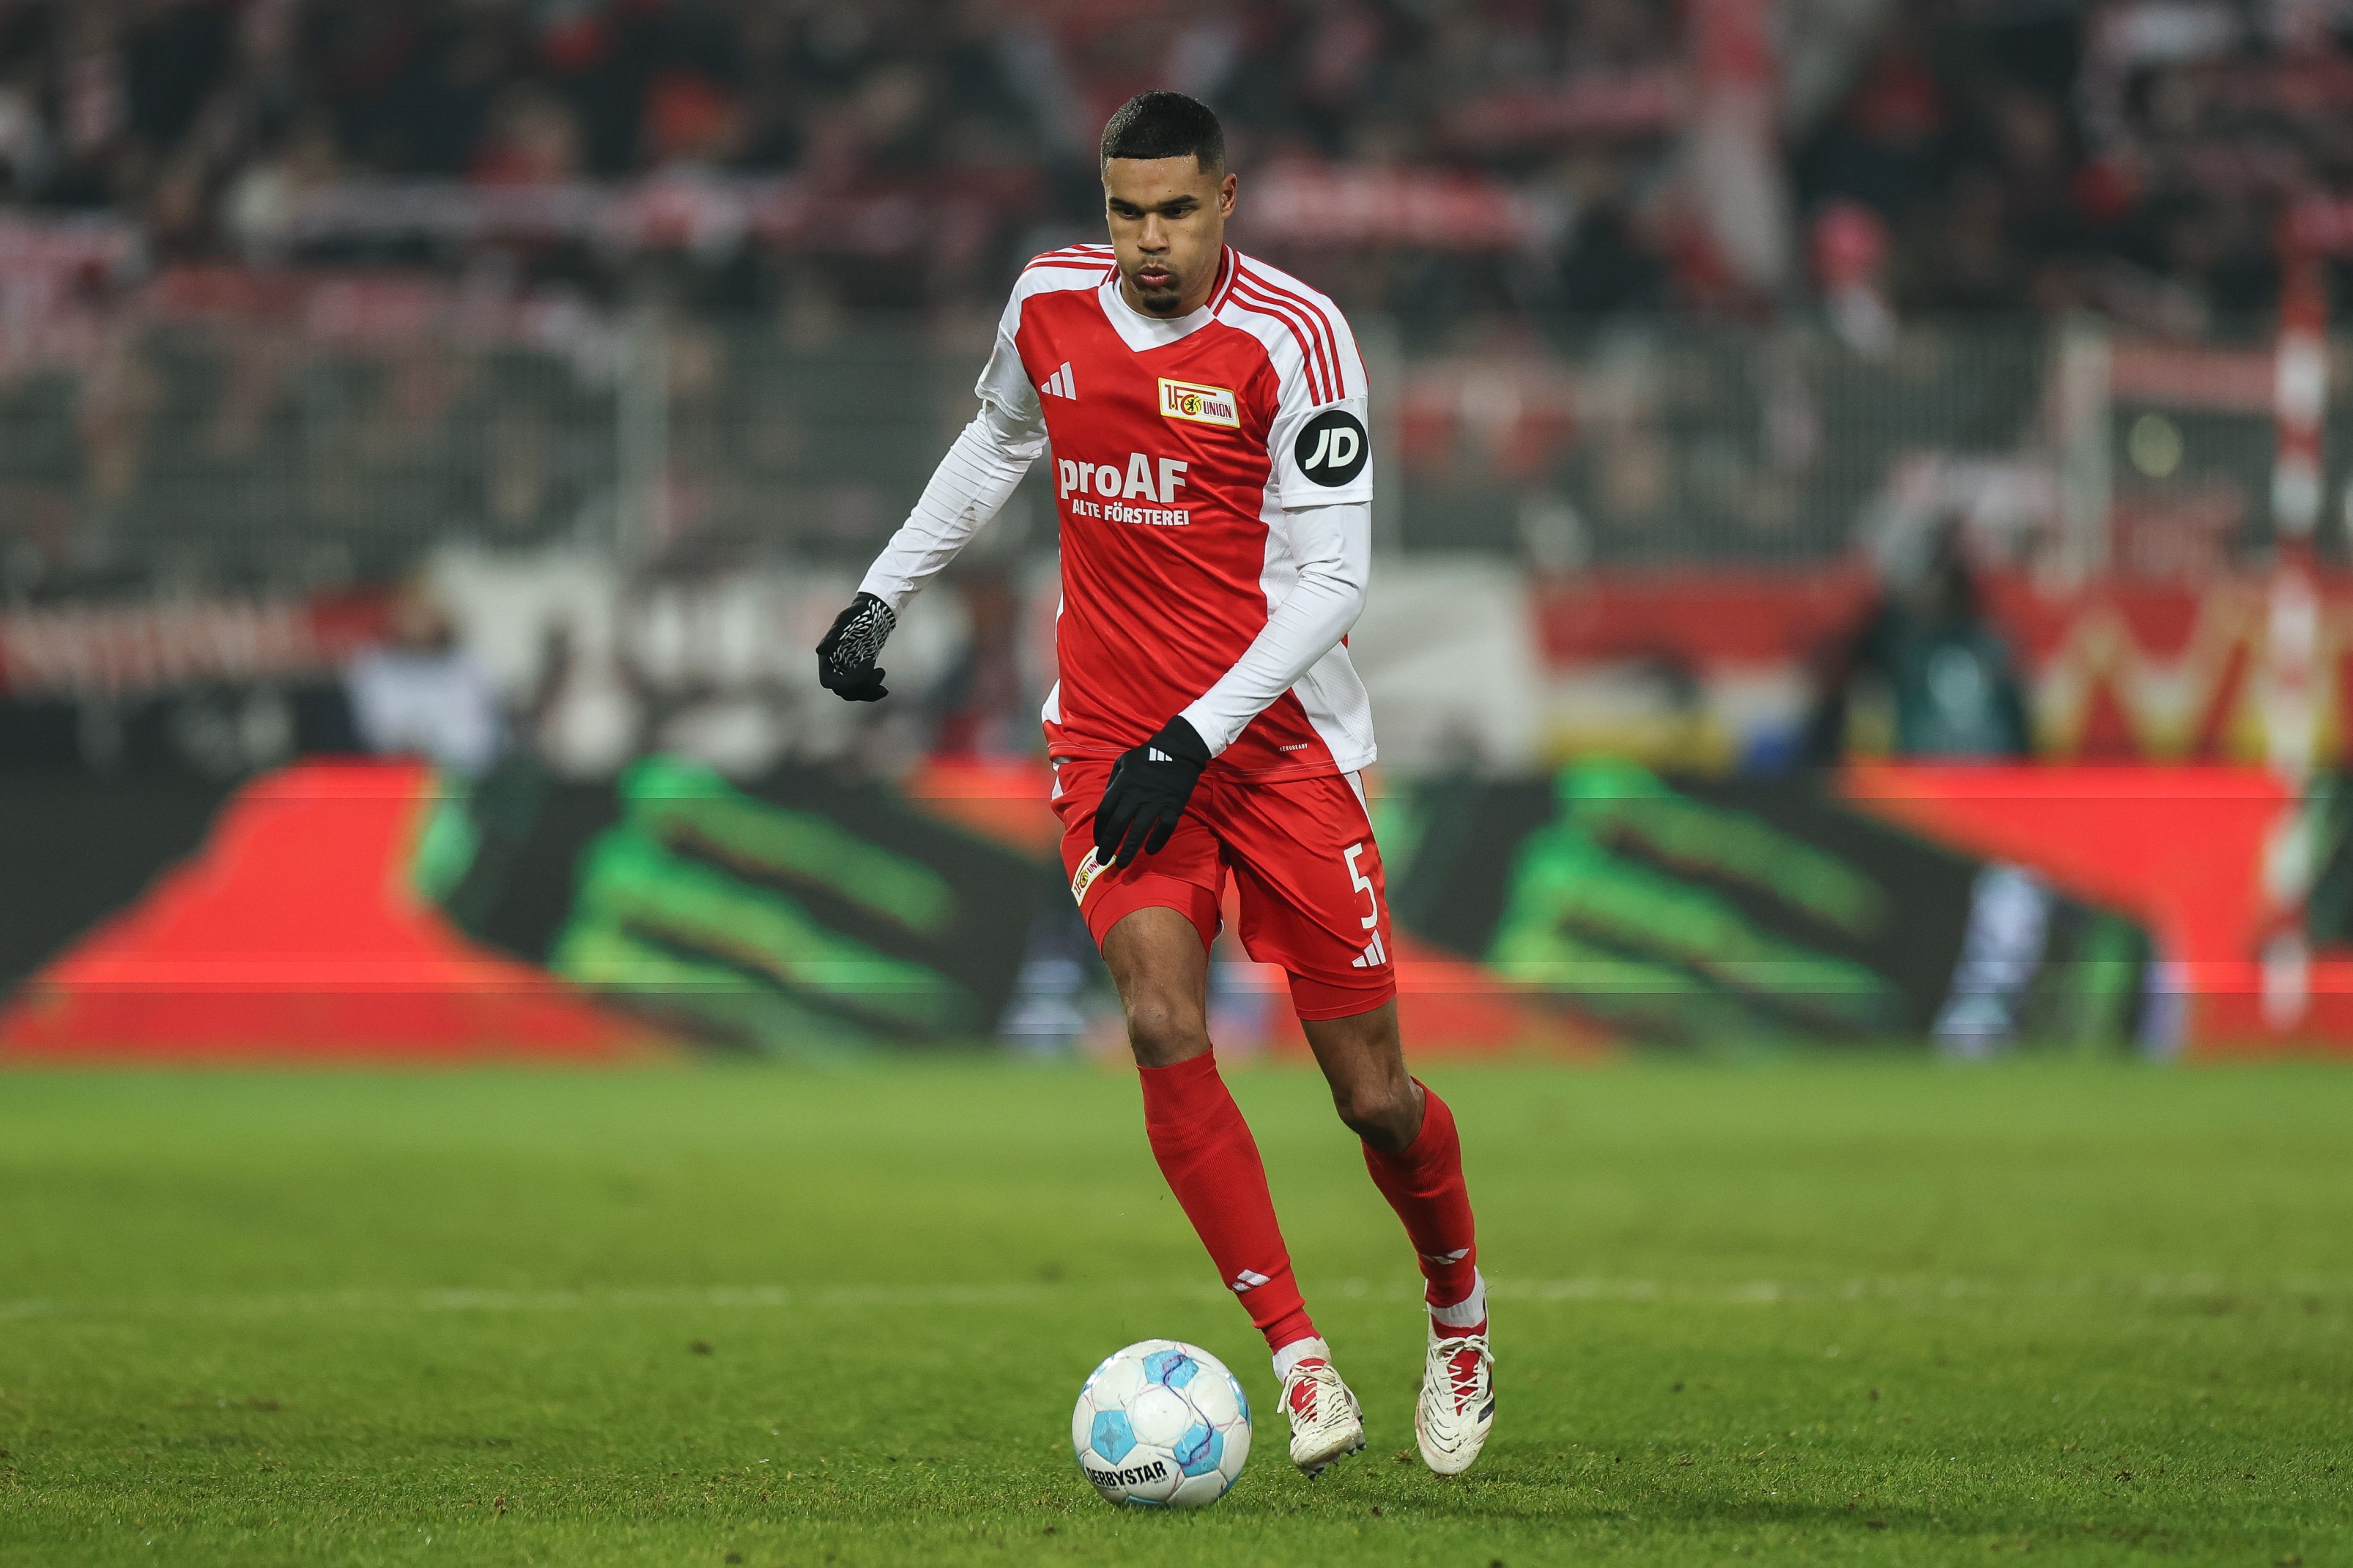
1003, 381
1305, 334
1318, 441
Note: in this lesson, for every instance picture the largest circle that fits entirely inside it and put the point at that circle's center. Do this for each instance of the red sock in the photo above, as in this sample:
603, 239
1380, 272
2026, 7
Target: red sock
1423, 1182
1211, 1160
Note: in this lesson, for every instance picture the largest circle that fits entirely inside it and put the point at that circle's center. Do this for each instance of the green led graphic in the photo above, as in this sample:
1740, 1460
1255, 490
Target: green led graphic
1564, 884
687, 805
1636, 944
712, 999
702, 904
1616, 801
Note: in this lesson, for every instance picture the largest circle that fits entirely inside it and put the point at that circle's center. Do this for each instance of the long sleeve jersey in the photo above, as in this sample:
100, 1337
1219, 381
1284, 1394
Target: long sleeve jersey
1213, 482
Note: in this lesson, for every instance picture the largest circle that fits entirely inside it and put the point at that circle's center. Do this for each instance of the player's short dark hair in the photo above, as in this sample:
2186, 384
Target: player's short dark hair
1162, 124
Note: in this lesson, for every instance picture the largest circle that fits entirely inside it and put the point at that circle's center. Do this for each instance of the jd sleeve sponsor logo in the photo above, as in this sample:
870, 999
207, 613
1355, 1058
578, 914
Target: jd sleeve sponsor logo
1201, 405
1332, 449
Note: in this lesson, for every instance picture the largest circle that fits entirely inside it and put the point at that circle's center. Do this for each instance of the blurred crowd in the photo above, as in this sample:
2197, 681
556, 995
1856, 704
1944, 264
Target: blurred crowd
2134, 158
1972, 155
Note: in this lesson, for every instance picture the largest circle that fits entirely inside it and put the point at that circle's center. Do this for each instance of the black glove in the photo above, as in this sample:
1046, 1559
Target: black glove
1149, 787
845, 659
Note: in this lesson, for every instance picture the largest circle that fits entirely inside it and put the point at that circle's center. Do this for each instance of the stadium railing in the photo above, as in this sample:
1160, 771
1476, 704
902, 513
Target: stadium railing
294, 434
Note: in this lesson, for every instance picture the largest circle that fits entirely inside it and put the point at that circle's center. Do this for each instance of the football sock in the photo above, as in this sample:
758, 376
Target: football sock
1211, 1164
1423, 1182
1298, 1352
1467, 1316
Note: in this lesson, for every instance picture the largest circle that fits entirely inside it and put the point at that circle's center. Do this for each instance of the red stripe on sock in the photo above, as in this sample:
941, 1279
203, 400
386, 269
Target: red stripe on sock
1212, 1164
1423, 1182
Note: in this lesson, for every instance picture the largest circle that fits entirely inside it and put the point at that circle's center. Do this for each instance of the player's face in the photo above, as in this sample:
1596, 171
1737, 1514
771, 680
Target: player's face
1167, 222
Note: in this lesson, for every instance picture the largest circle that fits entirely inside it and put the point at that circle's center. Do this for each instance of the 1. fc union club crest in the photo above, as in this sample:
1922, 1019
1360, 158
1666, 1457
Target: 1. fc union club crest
1201, 405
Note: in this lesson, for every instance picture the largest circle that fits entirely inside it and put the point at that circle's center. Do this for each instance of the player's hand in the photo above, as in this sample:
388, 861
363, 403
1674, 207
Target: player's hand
845, 659
1149, 787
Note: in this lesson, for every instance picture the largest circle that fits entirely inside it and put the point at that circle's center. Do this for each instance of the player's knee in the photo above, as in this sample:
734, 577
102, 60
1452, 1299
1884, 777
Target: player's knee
1161, 1031
1380, 1112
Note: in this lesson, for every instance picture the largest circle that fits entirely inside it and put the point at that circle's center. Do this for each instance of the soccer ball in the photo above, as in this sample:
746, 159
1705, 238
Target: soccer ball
1162, 1424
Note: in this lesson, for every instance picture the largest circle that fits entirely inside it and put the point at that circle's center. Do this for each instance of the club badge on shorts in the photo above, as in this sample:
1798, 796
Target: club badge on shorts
1084, 878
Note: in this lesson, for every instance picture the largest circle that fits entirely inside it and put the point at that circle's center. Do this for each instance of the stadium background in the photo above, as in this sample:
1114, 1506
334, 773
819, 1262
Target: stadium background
1865, 486
1862, 584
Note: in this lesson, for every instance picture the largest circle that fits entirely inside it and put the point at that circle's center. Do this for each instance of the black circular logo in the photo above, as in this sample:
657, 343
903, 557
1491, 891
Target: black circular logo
1332, 447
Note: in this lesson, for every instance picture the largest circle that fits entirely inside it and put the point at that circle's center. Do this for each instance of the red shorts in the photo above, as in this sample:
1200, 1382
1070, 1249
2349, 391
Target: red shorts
1302, 855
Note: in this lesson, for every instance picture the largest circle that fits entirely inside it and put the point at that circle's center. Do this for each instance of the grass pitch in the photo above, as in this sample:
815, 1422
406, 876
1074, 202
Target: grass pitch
1875, 1312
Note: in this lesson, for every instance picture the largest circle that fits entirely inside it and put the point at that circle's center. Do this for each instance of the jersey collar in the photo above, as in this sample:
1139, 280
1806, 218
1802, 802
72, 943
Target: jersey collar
1140, 331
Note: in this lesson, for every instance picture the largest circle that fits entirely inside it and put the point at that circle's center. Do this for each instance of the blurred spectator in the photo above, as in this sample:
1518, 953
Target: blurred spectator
980, 704
1930, 666
1851, 245
260, 200
422, 694
534, 139
2131, 157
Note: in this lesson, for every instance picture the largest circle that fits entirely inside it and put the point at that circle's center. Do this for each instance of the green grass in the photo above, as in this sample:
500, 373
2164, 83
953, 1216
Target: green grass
1883, 1312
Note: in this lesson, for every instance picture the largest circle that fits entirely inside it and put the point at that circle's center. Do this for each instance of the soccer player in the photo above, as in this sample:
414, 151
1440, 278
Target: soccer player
1205, 415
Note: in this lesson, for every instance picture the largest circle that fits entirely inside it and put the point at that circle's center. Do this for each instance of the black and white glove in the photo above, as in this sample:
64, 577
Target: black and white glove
1149, 787
845, 659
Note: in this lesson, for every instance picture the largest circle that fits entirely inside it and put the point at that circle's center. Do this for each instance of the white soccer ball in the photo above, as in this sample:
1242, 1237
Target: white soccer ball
1162, 1424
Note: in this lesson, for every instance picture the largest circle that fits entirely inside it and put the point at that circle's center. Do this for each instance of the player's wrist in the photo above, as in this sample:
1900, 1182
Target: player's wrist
1207, 726
1180, 740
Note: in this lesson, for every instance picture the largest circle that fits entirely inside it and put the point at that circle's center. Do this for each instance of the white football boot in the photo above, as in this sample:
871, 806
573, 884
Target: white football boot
1458, 1401
1325, 1422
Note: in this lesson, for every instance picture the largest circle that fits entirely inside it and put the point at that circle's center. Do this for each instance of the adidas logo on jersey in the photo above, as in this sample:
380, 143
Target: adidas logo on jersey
1374, 956
1061, 383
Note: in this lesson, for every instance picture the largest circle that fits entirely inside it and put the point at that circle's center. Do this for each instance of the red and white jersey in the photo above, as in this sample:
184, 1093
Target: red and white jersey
1179, 448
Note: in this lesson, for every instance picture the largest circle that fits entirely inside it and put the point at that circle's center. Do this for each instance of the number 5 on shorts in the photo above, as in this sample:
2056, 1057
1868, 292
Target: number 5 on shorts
1375, 953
